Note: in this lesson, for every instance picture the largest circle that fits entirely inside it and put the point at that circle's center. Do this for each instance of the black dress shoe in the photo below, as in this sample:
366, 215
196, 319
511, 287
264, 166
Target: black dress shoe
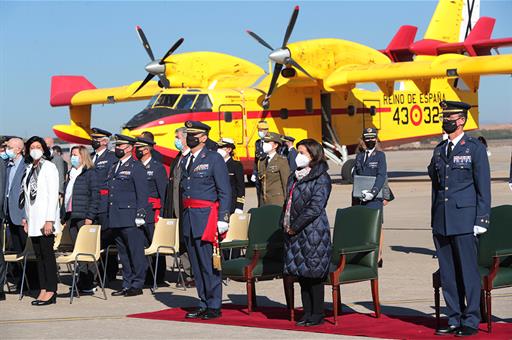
121, 292
211, 314
380, 263
302, 322
466, 331
312, 323
196, 314
133, 292
2, 296
50, 301
450, 330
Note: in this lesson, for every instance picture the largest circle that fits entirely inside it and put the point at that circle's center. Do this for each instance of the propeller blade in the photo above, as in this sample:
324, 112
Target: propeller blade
289, 29
144, 82
260, 40
275, 76
300, 68
145, 42
171, 50
165, 82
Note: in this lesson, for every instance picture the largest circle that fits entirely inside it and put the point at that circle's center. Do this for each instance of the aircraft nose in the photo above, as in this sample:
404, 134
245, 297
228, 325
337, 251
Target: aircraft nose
155, 68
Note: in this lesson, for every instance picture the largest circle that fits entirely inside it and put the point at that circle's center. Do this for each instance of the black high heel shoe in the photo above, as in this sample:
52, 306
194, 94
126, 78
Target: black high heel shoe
50, 301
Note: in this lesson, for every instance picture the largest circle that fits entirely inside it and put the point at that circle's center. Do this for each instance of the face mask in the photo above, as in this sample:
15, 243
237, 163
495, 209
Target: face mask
75, 161
449, 126
10, 153
95, 144
222, 152
192, 141
119, 153
3, 155
370, 144
178, 144
36, 154
139, 154
302, 160
262, 134
267, 147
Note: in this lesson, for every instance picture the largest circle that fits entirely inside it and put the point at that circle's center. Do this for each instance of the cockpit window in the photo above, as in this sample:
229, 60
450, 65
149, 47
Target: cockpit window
152, 101
203, 102
167, 100
186, 102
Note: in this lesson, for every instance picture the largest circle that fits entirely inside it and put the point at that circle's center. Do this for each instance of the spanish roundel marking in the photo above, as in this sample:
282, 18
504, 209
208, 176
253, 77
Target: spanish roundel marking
416, 115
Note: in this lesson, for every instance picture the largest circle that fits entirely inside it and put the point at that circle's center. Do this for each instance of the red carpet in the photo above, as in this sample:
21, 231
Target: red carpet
387, 326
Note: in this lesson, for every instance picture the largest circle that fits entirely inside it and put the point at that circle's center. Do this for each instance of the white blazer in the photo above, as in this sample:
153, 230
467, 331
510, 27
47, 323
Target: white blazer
46, 205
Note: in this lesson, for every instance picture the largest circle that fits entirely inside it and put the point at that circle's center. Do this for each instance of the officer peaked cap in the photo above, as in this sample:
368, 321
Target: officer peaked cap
273, 137
451, 107
226, 142
144, 142
262, 125
196, 127
122, 139
287, 139
100, 133
369, 133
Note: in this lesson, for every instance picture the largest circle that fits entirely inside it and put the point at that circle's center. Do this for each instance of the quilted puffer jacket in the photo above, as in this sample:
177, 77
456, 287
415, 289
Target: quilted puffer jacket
308, 252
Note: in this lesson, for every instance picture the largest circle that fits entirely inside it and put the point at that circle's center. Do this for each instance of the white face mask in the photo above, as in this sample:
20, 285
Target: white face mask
302, 160
267, 147
222, 152
36, 154
262, 134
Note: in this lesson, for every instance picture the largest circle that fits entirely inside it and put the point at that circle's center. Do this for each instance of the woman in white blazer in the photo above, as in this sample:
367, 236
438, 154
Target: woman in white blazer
41, 203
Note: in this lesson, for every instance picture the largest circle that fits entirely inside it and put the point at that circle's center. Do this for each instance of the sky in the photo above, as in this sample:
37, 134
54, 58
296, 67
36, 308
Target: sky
97, 39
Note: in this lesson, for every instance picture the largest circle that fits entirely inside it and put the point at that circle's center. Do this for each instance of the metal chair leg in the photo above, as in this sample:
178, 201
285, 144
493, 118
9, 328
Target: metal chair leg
23, 277
102, 283
156, 271
152, 271
180, 271
74, 283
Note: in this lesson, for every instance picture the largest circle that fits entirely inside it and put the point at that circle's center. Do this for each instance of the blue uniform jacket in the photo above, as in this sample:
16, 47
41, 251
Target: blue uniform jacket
157, 183
461, 187
102, 166
374, 166
208, 180
127, 193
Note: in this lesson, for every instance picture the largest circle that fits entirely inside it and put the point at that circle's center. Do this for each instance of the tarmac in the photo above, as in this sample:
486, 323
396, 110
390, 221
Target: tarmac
405, 281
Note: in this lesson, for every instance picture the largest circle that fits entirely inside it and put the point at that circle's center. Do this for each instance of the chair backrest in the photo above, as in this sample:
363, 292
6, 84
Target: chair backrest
58, 239
498, 235
264, 227
166, 233
29, 249
238, 227
66, 242
88, 240
356, 226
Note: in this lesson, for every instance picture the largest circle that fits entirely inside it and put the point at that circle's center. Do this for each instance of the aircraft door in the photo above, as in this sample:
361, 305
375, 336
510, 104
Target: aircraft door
371, 114
231, 122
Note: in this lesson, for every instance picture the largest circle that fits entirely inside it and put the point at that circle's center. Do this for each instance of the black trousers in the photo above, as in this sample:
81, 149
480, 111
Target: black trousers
312, 294
87, 270
46, 264
3, 266
16, 240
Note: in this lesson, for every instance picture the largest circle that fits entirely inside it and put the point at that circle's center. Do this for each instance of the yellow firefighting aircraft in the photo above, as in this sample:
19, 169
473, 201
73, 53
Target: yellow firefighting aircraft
312, 91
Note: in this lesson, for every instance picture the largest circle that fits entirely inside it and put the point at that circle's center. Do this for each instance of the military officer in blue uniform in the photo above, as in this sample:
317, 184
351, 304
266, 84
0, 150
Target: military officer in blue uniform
289, 151
461, 203
206, 194
103, 159
157, 183
127, 210
371, 162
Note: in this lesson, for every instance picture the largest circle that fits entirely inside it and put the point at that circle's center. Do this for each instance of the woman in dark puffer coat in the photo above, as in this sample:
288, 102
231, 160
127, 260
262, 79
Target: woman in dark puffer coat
307, 234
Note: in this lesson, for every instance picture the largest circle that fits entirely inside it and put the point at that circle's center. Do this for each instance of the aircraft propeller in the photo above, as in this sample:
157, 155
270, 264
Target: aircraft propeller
280, 56
157, 66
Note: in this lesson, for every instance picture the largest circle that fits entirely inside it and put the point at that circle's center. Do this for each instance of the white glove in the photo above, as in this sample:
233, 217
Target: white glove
239, 211
477, 230
222, 227
253, 178
139, 222
366, 195
510, 185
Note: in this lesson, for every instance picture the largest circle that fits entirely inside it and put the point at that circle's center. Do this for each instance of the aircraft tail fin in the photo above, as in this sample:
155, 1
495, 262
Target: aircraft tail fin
482, 30
453, 20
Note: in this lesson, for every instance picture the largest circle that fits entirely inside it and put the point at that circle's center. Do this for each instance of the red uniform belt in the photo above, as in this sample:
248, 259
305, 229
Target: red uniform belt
210, 233
104, 192
156, 204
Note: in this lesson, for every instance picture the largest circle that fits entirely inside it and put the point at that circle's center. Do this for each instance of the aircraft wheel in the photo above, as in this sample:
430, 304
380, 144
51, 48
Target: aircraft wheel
346, 171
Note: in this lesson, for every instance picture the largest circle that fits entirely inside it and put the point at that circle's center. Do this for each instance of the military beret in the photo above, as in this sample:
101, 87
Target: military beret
369, 133
287, 139
122, 139
272, 137
262, 125
141, 141
99, 133
196, 127
226, 142
451, 107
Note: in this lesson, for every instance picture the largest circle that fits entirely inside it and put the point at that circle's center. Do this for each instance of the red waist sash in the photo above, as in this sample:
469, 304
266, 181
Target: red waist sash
210, 233
156, 205
103, 192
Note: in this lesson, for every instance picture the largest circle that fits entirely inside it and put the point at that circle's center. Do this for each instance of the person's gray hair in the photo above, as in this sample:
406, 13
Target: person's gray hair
182, 130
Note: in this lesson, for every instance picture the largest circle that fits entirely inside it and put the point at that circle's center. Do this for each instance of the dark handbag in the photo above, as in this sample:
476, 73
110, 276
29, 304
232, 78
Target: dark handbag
387, 194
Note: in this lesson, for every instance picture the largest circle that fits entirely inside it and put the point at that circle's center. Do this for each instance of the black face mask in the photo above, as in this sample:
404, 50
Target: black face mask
370, 144
192, 141
449, 126
95, 144
119, 153
139, 154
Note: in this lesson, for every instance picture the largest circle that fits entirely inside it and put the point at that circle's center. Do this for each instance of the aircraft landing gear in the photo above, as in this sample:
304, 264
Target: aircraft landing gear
346, 170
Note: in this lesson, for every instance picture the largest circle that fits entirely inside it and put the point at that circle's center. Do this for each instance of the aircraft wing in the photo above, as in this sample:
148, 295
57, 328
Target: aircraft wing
444, 66
77, 91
